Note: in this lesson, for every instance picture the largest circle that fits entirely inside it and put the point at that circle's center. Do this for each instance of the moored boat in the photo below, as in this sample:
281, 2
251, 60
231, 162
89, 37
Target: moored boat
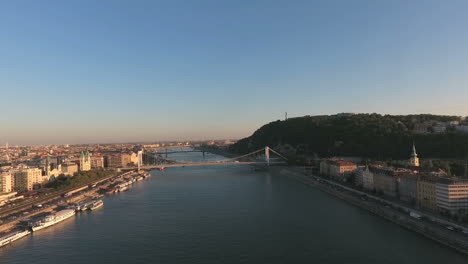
122, 189
95, 205
52, 219
12, 236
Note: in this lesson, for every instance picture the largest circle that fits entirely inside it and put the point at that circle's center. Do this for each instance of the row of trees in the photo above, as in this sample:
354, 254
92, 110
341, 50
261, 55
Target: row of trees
79, 178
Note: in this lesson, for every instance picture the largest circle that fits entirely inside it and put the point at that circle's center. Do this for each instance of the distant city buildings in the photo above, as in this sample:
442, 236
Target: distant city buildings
27, 168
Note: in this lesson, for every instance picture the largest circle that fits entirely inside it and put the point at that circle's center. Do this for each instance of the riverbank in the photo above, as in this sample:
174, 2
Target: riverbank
432, 231
65, 207
55, 201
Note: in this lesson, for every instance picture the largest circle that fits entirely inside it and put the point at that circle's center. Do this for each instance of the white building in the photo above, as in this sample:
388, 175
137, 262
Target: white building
367, 179
452, 195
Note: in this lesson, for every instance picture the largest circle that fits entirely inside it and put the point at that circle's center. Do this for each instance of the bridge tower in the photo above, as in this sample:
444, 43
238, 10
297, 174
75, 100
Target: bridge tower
267, 155
140, 159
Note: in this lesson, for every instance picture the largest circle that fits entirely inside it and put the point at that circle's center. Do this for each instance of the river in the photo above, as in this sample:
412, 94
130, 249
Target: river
225, 214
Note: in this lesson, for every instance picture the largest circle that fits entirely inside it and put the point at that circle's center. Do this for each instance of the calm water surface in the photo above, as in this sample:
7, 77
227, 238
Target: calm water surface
225, 215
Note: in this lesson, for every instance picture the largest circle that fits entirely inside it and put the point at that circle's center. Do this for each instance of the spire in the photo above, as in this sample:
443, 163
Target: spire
414, 154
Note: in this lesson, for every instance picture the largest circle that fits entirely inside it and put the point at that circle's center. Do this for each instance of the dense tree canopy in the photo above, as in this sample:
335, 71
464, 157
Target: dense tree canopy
80, 178
365, 135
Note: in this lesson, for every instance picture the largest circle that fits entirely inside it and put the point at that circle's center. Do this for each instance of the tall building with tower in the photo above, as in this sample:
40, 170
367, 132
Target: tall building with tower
414, 160
85, 161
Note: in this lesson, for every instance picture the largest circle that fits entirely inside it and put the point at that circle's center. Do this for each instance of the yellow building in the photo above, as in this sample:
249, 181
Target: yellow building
5, 182
134, 158
426, 193
27, 179
125, 159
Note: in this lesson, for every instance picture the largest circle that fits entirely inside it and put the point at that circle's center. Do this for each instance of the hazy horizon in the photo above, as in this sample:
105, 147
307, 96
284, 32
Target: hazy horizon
124, 71
129, 139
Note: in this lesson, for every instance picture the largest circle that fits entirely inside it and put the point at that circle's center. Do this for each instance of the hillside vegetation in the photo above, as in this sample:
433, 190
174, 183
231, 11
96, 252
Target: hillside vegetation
365, 135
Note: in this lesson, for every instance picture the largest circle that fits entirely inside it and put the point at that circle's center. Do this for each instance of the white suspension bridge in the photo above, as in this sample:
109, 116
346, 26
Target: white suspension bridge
264, 156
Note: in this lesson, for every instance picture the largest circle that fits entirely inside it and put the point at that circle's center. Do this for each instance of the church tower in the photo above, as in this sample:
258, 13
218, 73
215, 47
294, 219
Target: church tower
414, 160
85, 161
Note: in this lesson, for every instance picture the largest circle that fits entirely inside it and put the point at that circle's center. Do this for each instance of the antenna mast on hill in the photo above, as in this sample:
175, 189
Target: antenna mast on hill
466, 167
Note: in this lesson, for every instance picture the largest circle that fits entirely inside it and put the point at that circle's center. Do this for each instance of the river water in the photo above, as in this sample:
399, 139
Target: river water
225, 214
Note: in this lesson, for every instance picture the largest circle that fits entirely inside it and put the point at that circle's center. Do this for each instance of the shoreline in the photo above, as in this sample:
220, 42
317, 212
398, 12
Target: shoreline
56, 199
67, 203
403, 220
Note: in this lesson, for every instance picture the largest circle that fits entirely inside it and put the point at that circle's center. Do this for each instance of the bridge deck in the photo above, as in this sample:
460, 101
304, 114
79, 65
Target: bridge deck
195, 164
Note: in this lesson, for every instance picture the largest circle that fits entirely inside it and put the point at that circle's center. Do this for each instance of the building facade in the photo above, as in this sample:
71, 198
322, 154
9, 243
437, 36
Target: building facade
126, 159
5, 182
97, 162
426, 193
407, 187
113, 161
452, 195
358, 179
337, 169
69, 168
367, 179
385, 181
28, 179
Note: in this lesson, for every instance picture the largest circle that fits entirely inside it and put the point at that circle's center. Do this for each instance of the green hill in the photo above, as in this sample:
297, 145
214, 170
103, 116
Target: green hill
365, 135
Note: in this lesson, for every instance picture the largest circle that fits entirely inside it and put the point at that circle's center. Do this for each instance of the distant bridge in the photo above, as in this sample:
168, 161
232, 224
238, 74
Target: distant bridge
178, 151
240, 160
197, 164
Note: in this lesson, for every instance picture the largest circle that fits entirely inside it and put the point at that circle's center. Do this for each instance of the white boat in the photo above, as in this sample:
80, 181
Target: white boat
53, 219
124, 188
10, 237
95, 205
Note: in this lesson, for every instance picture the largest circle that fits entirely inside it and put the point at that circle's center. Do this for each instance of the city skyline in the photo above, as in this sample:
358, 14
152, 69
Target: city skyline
116, 71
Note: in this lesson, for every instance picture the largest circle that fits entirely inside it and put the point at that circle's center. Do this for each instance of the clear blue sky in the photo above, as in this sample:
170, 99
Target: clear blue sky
109, 71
